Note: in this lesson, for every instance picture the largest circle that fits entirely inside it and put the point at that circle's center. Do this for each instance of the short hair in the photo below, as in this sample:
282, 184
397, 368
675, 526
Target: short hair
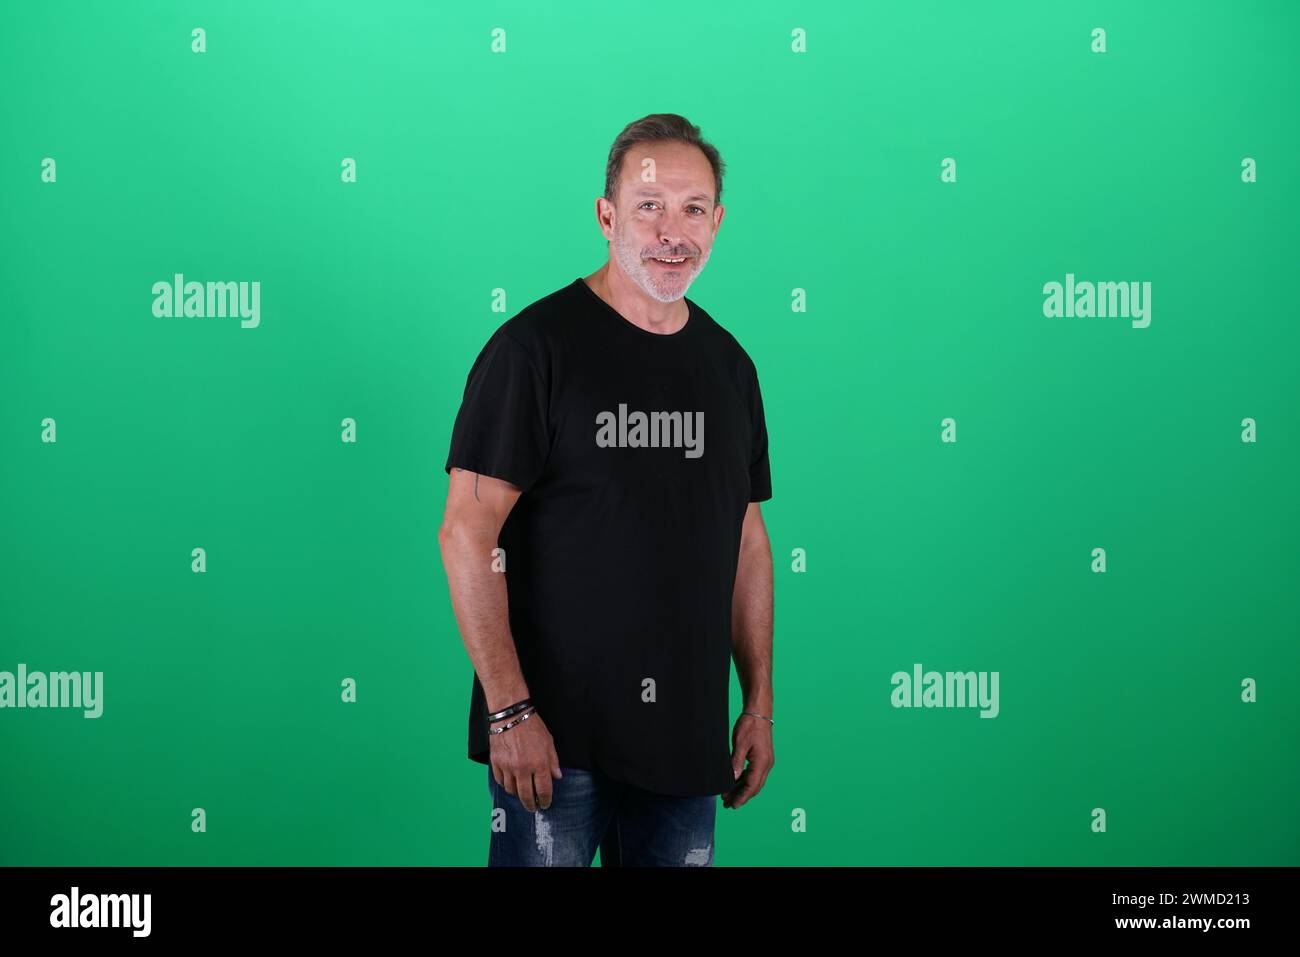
660, 127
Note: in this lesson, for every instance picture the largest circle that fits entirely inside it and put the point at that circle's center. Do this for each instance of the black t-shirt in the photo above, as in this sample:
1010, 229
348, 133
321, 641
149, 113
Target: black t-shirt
638, 454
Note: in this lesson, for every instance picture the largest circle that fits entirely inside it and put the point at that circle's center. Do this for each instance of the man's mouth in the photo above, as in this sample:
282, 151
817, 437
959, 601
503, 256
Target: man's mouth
671, 261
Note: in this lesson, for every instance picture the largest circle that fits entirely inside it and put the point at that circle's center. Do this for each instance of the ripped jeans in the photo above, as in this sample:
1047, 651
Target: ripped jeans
632, 827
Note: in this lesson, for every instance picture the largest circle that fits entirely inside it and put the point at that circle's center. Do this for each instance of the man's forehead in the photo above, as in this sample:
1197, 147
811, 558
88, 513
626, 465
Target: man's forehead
677, 169
695, 187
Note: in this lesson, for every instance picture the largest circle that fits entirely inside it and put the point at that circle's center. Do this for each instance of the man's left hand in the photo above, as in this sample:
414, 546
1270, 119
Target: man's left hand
751, 739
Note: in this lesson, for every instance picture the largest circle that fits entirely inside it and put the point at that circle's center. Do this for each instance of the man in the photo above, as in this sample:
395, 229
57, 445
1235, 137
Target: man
611, 441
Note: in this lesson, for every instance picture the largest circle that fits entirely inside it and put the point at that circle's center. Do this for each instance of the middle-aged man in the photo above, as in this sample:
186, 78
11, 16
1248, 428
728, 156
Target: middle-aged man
611, 441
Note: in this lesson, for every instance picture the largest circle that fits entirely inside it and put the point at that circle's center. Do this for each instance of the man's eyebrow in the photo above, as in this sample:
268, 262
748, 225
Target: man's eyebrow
643, 191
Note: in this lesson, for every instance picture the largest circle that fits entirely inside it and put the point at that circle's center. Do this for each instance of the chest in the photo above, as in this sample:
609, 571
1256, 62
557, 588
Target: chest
684, 422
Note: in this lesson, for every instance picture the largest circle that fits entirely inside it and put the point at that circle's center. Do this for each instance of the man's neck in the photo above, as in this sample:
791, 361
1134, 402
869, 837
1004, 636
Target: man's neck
629, 301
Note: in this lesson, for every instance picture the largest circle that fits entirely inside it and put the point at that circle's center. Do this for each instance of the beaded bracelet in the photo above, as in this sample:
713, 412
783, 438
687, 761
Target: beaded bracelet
506, 727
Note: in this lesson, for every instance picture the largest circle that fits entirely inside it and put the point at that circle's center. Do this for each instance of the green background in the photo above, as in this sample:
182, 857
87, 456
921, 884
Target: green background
479, 171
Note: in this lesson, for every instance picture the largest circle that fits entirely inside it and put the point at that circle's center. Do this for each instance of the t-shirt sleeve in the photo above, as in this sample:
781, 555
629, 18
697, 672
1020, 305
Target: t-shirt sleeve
501, 429
760, 476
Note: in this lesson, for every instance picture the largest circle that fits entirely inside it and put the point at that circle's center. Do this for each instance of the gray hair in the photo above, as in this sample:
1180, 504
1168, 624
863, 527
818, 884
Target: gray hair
660, 127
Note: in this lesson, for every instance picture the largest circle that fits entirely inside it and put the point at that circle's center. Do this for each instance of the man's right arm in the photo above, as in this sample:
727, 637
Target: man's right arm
523, 758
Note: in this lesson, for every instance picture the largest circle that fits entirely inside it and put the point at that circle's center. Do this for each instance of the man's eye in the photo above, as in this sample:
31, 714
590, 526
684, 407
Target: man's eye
647, 203
697, 207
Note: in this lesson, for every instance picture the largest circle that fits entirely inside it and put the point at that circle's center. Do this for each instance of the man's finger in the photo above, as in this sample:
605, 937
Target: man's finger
738, 761
736, 794
542, 785
751, 783
526, 795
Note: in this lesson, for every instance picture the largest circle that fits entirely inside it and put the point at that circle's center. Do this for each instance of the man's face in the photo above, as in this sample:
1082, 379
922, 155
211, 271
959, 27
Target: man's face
671, 216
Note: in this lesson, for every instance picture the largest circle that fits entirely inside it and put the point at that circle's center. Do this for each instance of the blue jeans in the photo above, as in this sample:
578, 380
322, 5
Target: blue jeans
632, 827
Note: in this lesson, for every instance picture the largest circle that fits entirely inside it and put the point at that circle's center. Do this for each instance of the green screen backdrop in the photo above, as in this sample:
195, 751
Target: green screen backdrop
1099, 509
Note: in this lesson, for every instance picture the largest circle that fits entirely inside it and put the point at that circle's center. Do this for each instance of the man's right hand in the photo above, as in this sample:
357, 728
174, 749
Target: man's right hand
524, 760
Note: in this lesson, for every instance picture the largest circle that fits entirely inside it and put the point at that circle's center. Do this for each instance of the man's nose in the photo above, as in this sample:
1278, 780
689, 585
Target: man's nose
672, 233
672, 230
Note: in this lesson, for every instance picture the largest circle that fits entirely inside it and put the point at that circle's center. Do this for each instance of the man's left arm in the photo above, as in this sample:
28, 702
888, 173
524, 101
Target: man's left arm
751, 646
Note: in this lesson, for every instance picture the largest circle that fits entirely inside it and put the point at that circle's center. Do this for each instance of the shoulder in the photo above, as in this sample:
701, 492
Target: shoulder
726, 344
542, 318
536, 328
540, 324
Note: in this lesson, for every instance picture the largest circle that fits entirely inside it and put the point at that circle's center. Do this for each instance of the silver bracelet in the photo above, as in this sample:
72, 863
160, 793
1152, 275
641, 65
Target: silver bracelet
507, 712
510, 724
763, 716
